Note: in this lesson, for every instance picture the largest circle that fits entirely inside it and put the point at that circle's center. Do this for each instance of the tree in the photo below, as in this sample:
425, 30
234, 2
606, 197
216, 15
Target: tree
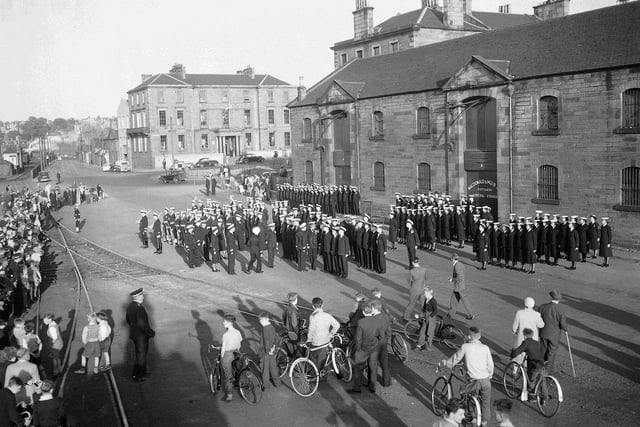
60, 124
35, 127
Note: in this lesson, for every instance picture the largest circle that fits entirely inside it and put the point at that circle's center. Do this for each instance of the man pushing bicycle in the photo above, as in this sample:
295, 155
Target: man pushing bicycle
479, 365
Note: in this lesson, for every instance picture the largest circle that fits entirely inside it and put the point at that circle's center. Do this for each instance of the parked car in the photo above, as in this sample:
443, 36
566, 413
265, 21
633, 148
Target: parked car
178, 165
107, 167
43, 176
250, 158
206, 163
172, 176
121, 166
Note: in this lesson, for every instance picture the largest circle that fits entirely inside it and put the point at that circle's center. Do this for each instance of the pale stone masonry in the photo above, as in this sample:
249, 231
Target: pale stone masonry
523, 119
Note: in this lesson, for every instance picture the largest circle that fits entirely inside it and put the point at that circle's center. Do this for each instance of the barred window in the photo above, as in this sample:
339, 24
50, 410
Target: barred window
378, 174
271, 116
548, 182
424, 177
378, 123
162, 117
163, 142
548, 113
631, 186
631, 108
423, 122
308, 171
307, 130
287, 139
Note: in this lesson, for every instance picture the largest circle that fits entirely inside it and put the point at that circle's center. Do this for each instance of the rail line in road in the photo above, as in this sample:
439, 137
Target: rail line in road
81, 287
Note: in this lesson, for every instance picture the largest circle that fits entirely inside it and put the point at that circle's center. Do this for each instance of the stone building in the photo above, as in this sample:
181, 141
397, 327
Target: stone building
542, 116
180, 116
432, 23
122, 124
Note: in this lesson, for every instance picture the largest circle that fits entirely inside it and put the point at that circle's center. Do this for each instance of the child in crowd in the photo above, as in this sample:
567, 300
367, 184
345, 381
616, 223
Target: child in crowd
91, 344
55, 343
104, 338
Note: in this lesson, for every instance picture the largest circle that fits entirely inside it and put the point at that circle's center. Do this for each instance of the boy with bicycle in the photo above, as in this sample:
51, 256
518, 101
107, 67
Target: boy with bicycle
479, 365
429, 312
535, 358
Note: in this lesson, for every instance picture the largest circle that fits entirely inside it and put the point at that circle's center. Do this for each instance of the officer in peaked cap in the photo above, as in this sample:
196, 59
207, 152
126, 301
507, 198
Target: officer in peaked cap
140, 333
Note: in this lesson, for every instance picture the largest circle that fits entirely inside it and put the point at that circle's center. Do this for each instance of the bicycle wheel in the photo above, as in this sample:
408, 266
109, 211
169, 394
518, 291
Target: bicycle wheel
351, 349
548, 396
341, 364
282, 361
399, 347
452, 336
304, 377
412, 330
214, 379
472, 413
513, 380
440, 395
250, 387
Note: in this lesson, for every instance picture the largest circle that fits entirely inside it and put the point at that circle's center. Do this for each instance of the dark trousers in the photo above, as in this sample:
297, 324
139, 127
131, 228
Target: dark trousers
255, 257
411, 251
550, 353
344, 265
326, 262
140, 364
383, 360
457, 297
269, 369
143, 236
270, 255
231, 263
302, 259
313, 257
361, 359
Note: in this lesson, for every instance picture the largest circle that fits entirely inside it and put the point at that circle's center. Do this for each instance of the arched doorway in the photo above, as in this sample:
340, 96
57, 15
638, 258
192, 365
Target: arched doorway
480, 156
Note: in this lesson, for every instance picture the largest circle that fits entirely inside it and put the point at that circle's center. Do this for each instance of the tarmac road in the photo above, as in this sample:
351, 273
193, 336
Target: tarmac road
602, 306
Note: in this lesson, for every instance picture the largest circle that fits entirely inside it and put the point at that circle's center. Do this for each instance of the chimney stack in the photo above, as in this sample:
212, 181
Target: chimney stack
249, 71
145, 77
180, 70
551, 9
433, 4
302, 91
453, 14
468, 7
362, 20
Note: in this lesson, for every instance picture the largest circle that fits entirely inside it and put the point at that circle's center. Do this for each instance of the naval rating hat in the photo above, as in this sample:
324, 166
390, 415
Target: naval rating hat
137, 292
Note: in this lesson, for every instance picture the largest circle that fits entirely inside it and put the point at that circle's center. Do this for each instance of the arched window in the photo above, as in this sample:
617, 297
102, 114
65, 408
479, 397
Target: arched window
307, 130
631, 108
378, 123
424, 177
308, 172
548, 182
378, 174
423, 122
630, 187
548, 113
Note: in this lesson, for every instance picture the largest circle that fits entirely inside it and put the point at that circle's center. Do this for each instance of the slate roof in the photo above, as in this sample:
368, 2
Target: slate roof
433, 19
173, 79
599, 39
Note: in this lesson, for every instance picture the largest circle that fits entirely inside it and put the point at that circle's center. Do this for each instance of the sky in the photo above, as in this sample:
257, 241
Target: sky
77, 58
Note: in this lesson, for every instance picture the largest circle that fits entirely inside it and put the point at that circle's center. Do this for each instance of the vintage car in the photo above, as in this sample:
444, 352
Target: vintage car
43, 176
249, 158
172, 176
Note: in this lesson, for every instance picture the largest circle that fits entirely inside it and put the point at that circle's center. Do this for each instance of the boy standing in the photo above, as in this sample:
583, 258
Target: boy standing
268, 351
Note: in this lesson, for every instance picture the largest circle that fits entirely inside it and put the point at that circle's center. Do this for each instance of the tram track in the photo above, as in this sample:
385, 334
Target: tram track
81, 290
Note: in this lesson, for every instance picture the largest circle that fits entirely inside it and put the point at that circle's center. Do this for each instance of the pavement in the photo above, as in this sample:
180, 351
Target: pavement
602, 307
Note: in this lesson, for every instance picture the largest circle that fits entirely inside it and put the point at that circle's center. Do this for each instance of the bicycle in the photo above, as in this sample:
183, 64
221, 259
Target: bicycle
304, 373
443, 392
546, 390
246, 375
450, 335
398, 344
284, 356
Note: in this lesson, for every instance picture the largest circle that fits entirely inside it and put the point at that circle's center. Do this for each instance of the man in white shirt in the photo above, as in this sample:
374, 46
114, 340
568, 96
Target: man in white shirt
479, 365
322, 326
231, 341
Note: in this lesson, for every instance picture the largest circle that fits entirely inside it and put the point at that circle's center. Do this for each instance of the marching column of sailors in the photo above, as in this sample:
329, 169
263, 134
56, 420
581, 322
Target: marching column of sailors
332, 200
422, 221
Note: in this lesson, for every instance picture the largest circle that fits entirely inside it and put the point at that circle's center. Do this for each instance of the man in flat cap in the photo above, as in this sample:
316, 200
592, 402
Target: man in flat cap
555, 321
139, 332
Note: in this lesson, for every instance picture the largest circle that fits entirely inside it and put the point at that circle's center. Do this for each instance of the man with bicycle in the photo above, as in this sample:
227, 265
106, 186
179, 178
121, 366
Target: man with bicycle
322, 327
429, 312
479, 366
535, 351
231, 342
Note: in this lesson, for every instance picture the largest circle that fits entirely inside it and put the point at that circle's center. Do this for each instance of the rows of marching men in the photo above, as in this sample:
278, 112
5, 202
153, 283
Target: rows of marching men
215, 233
424, 220
330, 200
